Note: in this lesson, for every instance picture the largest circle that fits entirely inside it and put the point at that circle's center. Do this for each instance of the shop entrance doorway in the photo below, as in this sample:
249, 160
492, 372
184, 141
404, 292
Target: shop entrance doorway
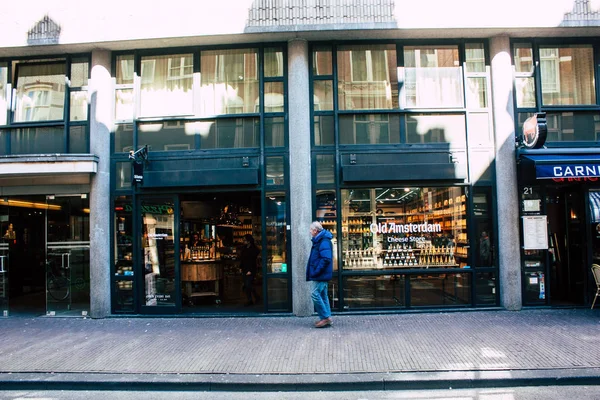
567, 245
201, 253
220, 252
23, 235
44, 255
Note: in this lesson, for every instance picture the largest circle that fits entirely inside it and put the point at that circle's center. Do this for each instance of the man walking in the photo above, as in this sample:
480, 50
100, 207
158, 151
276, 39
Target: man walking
319, 271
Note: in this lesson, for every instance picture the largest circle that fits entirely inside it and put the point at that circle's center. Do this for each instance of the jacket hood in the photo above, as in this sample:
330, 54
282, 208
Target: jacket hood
322, 235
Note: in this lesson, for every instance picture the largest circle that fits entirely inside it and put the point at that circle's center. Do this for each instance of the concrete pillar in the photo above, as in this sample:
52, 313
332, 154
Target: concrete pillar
101, 120
507, 196
300, 176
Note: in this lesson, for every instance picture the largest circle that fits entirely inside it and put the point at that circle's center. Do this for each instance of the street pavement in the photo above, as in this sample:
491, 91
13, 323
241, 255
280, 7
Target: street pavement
458, 349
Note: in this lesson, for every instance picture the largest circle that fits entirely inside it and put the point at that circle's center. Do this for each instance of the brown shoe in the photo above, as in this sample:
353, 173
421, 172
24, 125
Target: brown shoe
323, 323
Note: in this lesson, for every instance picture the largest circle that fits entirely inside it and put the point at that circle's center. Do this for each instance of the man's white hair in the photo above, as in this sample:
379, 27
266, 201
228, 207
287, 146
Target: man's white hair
317, 226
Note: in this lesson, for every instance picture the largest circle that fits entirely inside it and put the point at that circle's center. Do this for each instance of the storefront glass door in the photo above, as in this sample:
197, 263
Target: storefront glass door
160, 269
67, 255
566, 256
7, 233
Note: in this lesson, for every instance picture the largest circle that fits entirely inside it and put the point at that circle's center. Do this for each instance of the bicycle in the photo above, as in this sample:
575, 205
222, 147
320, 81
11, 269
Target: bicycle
58, 281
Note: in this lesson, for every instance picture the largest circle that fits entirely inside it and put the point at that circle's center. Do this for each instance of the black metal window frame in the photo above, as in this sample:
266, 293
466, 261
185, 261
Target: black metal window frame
263, 152
535, 44
401, 112
337, 149
65, 122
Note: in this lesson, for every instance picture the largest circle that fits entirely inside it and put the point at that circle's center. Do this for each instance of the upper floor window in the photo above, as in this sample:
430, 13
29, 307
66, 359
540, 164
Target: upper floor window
433, 77
274, 62
4, 98
322, 60
367, 77
567, 75
524, 75
226, 81
426, 95
166, 85
229, 81
47, 109
40, 90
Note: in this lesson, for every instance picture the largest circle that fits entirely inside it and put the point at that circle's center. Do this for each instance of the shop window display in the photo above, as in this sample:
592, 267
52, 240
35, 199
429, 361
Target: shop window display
391, 228
213, 231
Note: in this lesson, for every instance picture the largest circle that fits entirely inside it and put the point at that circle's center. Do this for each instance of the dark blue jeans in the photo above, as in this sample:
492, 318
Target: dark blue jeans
320, 299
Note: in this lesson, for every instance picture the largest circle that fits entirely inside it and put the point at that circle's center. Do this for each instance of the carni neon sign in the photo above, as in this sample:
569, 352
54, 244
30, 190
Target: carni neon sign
392, 227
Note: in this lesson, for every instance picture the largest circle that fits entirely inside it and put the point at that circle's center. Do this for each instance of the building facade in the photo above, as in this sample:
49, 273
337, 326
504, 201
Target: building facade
138, 162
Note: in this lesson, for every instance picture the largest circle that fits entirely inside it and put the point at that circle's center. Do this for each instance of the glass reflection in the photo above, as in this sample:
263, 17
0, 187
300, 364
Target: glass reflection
394, 228
440, 290
229, 81
367, 77
166, 85
433, 76
276, 233
385, 291
326, 215
158, 252
40, 92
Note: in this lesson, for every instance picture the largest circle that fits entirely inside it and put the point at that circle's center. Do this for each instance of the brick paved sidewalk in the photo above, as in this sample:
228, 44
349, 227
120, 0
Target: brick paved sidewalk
438, 342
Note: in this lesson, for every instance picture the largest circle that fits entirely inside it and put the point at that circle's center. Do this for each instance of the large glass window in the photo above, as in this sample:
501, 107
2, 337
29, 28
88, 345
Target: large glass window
275, 132
386, 291
275, 170
124, 103
274, 98
40, 91
567, 75
229, 81
276, 221
484, 232
274, 62
524, 75
123, 175
404, 227
326, 215
167, 136
323, 95
436, 128
78, 83
324, 130
369, 129
433, 77
572, 126
38, 140
440, 290
78, 139
322, 60
78, 106
3, 92
228, 133
166, 85
367, 77
158, 252
67, 255
123, 138
477, 76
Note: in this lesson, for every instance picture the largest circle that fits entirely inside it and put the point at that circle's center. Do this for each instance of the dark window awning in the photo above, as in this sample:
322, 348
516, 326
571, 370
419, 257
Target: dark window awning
559, 166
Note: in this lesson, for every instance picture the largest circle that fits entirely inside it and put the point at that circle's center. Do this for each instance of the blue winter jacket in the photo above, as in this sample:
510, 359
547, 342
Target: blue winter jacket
320, 262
